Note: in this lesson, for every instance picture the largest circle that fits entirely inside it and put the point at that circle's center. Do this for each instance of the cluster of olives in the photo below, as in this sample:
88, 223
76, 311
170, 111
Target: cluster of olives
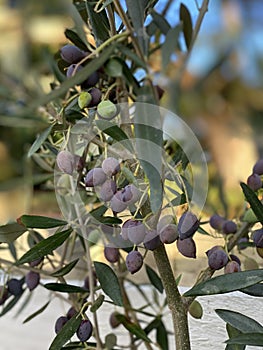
167, 231
222, 225
14, 286
91, 94
254, 180
84, 331
218, 258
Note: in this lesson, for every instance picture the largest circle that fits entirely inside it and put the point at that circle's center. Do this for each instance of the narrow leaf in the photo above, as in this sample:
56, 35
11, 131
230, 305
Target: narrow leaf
115, 132
35, 221
253, 200
109, 282
253, 339
97, 303
233, 332
36, 313
161, 337
99, 23
10, 232
65, 269
160, 21
10, 304
39, 141
67, 331
75, 39
185, 17
239, 321
45, 247
64, 288
227, 283
154, 278
255, 291
133, 328
170, 44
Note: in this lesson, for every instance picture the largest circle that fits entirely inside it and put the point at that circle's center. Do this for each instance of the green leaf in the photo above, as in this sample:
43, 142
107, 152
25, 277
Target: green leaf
36, 313
39, 141
149, 141
152, 325
239, 321
109, 282
64, 288
170, 44
253, 200
185, 17
226, 283
115, 132
97, 303
133, 328
136, 13
255, 290
233, 332
160, 21
161, 337
250, 216
253, 339
132, 56
35, 221
99, 23
10, 232
75, 39
65, 269
10, 304
45, 247
67, 331
154, 278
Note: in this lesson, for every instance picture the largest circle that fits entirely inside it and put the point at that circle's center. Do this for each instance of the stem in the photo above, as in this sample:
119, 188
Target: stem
174, 299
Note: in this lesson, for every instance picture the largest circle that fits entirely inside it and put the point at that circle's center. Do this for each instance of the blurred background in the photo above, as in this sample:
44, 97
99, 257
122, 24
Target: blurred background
220, 96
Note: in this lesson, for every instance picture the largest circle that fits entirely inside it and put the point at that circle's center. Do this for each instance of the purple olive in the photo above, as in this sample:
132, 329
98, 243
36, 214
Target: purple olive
32, 280
84, 331
73, 69
116, 203
151, 240
95, 177
15, 286
257, 237
168, 234
108, 189
187, 225
72, 54
130, 194
60, 322
110, 166
134, 261
216, 221
187, 247
135, 231
254, 182
235, 258
231, 267
91, 80
86, 281
217, 258
36, 262
258, 167
66, 162
71, 312
229, 226
111, 254
114, 322
96, 95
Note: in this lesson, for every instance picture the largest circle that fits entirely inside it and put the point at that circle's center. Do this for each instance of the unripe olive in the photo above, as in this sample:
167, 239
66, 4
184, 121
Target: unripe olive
168, 234
136, 231
217, 258
116, 203
196, 310
60, 322
108, 189
134, 261
254, 182
187, 247
15, 286
111, 254
110, 166
3, 294
71, 53
32, 280
95, 97
114, 322
229, 226
66, 162
257, 237
151, 240
231, 267
84, 331
107, 110
95, 177
258, 167
216, 221
187, 225
260, 252
84, 99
